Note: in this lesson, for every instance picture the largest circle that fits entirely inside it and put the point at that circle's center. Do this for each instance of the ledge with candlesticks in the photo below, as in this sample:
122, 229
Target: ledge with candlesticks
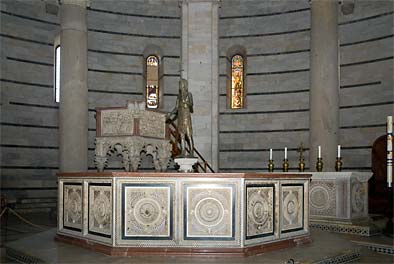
339, 200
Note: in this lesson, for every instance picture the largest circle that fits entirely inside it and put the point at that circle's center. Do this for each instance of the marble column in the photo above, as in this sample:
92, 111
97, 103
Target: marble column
73, 114
324, 83
200, 67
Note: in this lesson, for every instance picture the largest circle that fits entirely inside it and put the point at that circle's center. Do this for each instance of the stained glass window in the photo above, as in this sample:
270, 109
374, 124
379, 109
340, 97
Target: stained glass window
237, 82
152, 82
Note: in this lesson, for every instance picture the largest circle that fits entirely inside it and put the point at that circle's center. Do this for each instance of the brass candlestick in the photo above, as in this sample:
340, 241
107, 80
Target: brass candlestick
301, 163
319, 164
338, 164
270, 165
285, 165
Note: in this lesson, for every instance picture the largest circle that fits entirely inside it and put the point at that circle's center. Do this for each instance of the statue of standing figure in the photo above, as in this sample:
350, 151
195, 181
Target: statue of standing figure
182, 111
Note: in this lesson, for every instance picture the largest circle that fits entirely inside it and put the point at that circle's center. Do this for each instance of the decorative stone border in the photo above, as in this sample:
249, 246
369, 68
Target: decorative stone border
346, 228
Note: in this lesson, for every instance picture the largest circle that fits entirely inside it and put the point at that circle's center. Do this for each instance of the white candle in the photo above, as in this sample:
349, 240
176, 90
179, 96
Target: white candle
285, 152
339, 151
270, 154
389, 151
319, 152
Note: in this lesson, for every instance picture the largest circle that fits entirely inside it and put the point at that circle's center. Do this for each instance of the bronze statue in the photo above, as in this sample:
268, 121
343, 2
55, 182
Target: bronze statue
182, 111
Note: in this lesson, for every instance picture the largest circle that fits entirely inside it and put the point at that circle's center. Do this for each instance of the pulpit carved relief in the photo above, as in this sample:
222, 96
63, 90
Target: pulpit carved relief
130, 132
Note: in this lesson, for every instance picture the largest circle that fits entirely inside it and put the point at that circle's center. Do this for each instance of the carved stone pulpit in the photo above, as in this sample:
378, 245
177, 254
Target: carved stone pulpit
130, 131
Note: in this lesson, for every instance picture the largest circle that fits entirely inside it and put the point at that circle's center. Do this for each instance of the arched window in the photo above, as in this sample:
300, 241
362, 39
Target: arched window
237, 82
152, 82
56, 69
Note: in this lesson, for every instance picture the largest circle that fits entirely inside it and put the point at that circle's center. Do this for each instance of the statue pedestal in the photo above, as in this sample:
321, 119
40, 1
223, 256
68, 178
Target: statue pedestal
186, 164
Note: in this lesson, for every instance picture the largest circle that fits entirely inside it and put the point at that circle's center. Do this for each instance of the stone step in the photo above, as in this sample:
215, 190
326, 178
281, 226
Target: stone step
387, 249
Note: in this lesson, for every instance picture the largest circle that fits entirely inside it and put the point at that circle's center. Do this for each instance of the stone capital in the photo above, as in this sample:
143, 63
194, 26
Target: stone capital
82, 3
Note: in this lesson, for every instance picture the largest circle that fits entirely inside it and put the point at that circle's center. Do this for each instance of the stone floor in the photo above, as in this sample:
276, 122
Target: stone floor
40, 244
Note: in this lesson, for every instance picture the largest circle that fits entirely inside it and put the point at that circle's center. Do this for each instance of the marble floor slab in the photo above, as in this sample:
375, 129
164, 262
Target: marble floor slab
325, 246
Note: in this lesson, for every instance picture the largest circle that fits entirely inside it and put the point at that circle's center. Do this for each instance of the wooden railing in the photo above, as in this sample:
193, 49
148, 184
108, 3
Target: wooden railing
176, 150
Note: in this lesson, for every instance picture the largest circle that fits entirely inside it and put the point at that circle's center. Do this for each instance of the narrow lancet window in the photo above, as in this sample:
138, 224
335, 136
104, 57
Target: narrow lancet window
237, 82
152, 82
56, 85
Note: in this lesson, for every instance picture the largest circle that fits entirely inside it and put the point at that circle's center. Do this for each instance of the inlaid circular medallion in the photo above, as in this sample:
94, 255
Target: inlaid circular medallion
147, 211
74, 206
209, 212
291, 207
101, 209
320, 197
258, 209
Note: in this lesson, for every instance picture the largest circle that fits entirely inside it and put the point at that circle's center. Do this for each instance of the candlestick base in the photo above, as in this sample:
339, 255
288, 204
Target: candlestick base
338, 164
285, 165
319, 164
271, 165
301, 165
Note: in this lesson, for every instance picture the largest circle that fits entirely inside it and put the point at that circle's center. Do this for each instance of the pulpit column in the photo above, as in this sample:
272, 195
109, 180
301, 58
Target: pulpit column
200, 67
73, 114
324, 83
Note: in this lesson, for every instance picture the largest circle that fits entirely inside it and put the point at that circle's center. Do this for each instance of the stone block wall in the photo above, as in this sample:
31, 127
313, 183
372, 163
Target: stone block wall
29, 115
366, 79
276, 37
118, 34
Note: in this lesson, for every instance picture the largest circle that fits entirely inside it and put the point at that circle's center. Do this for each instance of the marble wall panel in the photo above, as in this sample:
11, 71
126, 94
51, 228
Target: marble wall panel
72, 206
145, 213
292, 218
323, 198
260, 210
100, 209
209, 212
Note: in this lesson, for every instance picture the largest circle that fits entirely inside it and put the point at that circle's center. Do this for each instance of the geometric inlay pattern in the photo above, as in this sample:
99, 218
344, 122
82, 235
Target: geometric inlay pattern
72, 206
322, 198
100, 209
259, 210
146, 211
208, 212
292, 207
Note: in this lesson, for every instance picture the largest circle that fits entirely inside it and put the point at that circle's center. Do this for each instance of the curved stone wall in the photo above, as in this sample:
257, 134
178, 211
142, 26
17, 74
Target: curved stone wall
118, 34
366, 75
29, 116
275, 35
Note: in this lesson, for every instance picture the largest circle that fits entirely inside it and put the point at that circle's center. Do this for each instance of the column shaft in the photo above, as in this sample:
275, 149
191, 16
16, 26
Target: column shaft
324, 83
200, 65
73, 114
